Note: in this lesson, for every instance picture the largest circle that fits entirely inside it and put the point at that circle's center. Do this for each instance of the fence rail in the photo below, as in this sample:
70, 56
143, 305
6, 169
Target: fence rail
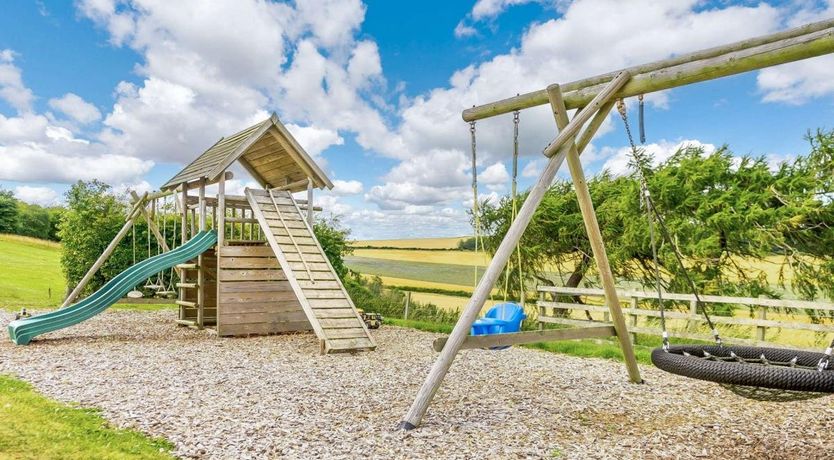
641, 318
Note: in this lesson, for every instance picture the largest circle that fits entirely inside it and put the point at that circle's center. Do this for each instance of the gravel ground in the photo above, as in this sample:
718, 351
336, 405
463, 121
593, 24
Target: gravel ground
277, 397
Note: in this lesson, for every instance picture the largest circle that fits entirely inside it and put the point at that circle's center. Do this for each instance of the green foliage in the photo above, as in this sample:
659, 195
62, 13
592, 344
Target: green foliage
92, 219
334, 241
32, 426
723, 214
372, 296
467, 244
37, 221
8, 212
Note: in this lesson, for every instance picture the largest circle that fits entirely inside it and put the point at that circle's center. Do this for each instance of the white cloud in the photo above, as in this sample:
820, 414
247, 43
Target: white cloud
462, 30
315, 140
486, 9
66, 161
618, 158
347, 187
12, 89
76, 108
43, 196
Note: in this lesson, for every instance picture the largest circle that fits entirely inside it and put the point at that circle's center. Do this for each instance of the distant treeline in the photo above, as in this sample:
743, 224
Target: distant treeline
20, 218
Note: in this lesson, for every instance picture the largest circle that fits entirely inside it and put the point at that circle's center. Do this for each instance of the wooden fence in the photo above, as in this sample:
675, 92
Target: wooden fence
643, 314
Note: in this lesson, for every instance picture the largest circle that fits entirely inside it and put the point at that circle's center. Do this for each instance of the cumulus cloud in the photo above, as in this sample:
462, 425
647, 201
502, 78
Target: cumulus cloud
34, 149
75, 107
43, 196
12, 89
462, 30
347, 187
486, 9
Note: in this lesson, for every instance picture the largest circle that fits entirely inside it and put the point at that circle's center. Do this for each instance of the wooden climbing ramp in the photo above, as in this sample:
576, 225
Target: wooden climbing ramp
321, 294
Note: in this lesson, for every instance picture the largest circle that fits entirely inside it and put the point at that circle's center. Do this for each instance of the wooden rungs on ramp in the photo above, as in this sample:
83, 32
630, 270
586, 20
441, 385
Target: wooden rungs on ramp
518, 338
314, 283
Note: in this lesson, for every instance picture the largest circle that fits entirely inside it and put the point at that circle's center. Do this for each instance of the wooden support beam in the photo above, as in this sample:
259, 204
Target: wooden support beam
493, 271
104, 255
518, 338
201, 270
791, 45
221, 241
310, 221
589, 216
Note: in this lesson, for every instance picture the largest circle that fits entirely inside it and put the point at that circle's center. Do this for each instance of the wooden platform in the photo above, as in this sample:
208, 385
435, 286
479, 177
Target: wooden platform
307, 273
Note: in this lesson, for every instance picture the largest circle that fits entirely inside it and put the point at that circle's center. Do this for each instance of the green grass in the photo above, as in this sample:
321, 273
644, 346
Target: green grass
34, 427
588, 348
144, 306
30, 270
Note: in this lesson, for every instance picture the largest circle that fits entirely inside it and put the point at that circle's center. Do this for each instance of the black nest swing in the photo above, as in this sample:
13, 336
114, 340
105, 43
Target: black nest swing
758, 373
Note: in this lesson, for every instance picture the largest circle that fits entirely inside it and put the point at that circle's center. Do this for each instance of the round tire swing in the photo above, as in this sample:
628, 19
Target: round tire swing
758, 373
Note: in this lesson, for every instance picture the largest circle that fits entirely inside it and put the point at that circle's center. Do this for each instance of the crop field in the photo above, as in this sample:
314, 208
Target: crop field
459, 275
453, 257
417, 243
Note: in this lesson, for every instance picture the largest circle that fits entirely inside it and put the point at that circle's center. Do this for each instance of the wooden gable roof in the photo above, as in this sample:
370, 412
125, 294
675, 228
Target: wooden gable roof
266, 150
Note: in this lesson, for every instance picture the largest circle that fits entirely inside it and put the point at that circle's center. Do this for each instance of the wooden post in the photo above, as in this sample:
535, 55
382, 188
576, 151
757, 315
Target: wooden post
201, 273
761, 330
184, 209
589, 216
493, 271
183, 239
633, 305
692, 324
221, 240
752, 54
407, 304
542, 310
103, 257
310, 202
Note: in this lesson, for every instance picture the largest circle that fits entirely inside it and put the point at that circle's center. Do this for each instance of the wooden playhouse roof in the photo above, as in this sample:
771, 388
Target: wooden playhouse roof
266, 150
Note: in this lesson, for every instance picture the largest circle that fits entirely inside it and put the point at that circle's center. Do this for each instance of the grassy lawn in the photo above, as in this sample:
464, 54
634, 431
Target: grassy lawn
587, 348
34, 427
31, 268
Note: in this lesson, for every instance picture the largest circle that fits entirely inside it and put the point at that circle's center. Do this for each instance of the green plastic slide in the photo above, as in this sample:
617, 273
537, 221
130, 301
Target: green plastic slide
22, 331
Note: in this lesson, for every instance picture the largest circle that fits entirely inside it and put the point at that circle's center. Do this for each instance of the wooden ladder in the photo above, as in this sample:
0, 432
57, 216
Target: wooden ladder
322, 296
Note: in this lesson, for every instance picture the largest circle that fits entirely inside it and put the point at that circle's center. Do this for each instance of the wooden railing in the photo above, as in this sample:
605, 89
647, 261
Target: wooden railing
643, 314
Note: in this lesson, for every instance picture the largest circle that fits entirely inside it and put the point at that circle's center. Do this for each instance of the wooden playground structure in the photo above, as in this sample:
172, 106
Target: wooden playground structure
594, 98
267, 273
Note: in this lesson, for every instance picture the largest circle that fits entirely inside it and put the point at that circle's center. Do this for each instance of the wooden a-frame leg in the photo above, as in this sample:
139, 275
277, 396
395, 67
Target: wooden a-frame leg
505, 250
589, 216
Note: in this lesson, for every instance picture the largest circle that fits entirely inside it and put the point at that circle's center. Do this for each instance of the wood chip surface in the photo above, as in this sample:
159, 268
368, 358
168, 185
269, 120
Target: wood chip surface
276, 397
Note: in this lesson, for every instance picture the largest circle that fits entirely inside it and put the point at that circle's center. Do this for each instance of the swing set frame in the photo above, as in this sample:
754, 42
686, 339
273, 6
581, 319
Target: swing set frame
595, 97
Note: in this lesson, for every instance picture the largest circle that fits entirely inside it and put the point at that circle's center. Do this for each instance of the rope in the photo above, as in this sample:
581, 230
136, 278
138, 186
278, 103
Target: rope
653, 212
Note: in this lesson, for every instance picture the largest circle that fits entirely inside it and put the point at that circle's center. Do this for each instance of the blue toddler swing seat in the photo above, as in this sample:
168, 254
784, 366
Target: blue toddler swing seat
502, 318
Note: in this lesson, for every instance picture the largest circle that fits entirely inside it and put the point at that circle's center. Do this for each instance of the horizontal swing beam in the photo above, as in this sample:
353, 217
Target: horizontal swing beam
518, 338
804, 42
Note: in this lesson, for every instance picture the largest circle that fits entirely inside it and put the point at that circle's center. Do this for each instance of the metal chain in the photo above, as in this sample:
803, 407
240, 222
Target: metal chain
475, 208
653, 212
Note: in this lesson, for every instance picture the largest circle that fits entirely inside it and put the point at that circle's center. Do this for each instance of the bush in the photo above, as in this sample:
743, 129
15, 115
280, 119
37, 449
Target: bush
8, 212
92, 219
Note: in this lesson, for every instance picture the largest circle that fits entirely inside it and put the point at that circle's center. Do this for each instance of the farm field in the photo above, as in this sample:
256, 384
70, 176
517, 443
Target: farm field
419, 243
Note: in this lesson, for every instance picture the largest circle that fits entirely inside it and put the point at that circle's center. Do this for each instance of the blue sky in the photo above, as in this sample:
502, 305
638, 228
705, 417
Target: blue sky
128, 91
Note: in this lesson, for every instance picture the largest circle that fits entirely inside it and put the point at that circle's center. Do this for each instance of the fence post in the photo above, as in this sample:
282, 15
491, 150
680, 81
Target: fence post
407, 304
692, 323
761, 330
633, 306
542, 310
